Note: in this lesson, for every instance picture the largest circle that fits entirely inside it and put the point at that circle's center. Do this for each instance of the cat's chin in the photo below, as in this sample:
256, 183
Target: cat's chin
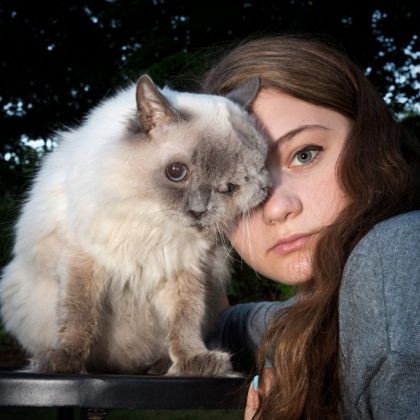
211, 229
199, 227
202, 228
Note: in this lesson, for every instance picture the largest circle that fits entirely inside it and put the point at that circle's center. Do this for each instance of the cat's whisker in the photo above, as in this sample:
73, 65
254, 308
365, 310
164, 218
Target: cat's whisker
227, 245
250, 220
243, 217
224, 228
227, 248
221, 235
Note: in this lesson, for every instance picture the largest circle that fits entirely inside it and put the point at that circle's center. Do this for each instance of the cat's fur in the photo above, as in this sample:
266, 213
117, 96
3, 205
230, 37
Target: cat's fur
116, 267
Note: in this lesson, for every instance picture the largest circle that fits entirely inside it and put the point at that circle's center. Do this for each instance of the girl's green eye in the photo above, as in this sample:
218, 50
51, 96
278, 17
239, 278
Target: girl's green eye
305, 156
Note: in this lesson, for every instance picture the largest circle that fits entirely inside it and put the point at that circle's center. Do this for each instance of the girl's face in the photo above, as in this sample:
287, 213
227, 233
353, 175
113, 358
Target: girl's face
306, 140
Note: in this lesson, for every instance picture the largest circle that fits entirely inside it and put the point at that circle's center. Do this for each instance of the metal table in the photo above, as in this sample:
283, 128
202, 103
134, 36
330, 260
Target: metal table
94, 394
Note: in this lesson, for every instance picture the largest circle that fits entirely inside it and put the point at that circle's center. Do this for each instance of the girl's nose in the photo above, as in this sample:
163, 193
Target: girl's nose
283, 203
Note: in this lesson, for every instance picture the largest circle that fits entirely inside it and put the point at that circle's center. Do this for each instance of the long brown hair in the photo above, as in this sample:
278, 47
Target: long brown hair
378, 176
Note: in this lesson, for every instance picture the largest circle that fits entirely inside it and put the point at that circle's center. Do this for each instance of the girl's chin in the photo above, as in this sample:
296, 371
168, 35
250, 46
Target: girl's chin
295, 274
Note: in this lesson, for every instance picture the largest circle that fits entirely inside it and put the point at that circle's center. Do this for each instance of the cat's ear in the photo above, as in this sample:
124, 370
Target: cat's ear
154, 109
245, 93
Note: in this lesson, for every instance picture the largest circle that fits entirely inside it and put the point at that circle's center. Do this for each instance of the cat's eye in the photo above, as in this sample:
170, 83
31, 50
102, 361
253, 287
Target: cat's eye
306, 156
231, 188
176, 171
228, 188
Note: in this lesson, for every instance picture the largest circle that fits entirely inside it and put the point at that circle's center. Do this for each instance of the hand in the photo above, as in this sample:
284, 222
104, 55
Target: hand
252, 401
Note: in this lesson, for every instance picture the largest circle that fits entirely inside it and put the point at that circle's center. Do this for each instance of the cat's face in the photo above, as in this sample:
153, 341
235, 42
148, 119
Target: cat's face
207, 177
200, 159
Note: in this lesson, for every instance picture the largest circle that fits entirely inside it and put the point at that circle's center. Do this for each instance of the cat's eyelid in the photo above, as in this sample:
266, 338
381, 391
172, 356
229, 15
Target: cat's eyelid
228, 188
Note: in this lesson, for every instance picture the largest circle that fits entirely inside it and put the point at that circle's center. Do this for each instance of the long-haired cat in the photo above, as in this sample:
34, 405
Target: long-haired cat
118, 262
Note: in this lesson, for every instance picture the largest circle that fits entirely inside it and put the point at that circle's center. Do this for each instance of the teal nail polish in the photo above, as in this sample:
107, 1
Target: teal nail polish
255, 382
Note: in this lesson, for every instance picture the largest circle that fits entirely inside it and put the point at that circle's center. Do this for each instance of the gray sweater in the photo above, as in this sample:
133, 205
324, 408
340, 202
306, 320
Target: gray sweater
379, 317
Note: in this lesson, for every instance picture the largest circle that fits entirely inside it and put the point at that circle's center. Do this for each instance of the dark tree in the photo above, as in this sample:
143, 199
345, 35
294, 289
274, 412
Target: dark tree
58, 58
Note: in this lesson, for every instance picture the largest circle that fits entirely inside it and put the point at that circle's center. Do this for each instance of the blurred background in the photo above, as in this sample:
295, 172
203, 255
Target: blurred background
59, 58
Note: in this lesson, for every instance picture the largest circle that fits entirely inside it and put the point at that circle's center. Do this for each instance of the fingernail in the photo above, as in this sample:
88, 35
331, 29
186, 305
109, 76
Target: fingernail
255, 382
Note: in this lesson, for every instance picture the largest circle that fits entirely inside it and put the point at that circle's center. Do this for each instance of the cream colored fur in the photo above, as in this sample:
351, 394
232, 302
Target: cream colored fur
93, 198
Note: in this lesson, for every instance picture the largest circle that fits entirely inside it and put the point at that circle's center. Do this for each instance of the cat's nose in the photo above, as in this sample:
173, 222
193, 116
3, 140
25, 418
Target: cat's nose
198, 200
197, 214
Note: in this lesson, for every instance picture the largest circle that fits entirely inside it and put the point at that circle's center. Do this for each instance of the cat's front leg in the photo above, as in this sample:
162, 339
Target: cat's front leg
187, 349
78, 312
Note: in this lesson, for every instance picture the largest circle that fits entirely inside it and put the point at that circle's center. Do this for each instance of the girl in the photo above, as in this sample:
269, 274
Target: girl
341, 224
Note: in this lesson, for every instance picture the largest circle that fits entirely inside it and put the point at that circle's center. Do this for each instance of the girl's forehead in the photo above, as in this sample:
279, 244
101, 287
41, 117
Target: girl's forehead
279, 113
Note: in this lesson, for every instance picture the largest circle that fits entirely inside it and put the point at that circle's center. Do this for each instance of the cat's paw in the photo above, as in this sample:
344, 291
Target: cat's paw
160, 367
58, 360
209, 363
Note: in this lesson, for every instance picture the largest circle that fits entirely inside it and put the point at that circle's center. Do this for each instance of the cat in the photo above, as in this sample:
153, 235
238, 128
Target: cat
118, 260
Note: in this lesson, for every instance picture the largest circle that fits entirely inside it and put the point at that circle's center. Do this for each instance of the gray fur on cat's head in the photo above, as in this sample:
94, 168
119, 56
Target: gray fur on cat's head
199, 156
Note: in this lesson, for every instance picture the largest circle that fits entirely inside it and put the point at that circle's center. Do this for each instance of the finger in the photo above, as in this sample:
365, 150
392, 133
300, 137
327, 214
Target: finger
252, 400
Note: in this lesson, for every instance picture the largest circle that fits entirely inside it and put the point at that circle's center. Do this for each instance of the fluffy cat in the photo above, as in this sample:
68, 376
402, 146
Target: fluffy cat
118, 261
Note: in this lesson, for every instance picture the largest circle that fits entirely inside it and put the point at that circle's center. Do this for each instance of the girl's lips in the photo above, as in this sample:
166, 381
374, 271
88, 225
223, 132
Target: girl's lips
290, 244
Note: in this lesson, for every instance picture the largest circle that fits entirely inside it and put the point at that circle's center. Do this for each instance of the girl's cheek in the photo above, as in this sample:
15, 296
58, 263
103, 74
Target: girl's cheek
236, 237
243, 237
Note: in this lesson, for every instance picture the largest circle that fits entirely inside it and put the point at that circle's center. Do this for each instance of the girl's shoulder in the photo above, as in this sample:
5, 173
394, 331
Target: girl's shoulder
390, 252
379, 317
381, 282
392, 239
398, 226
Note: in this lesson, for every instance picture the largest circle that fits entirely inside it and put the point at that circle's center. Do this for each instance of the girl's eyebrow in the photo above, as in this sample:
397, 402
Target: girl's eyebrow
292, 133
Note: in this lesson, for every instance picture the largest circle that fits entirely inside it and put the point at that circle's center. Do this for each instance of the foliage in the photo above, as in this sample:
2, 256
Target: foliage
59, 58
